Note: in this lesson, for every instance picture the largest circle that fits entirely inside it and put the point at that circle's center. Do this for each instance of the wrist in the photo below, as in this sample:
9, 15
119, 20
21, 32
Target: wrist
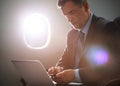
77, 76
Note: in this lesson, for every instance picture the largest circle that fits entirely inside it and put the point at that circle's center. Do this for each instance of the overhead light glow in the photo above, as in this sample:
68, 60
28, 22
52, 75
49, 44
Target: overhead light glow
36, 31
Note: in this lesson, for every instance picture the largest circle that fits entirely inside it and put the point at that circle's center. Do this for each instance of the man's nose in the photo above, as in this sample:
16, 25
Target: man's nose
69, 18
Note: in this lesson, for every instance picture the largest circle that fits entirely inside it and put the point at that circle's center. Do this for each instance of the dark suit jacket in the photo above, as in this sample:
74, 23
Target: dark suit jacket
99, 35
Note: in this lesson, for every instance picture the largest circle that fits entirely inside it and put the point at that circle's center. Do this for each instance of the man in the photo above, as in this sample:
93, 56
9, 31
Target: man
87, 57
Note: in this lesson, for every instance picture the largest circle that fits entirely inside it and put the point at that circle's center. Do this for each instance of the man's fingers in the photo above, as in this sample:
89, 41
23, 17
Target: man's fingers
59, 69
60, 74
55, 70
66, 76
51, 70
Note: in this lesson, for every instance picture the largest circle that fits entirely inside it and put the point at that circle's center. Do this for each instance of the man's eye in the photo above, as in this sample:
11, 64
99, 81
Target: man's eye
72, 12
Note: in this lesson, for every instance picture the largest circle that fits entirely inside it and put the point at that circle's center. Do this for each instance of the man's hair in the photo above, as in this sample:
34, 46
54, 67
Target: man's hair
77, 2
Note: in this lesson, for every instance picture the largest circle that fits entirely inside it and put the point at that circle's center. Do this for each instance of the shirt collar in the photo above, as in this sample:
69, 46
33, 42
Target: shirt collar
87, 25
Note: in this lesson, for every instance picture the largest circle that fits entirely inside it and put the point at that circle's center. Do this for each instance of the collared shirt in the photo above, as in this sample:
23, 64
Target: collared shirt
86, 27
77, 59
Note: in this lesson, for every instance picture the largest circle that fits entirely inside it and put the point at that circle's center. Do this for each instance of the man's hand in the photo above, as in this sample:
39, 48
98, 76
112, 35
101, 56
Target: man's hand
55, 70
66, 76
60, 75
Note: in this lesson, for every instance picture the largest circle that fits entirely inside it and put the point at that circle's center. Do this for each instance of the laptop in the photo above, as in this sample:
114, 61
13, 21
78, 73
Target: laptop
35, 74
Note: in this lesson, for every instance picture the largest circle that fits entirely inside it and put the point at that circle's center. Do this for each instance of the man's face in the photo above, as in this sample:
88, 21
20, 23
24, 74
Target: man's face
76, 15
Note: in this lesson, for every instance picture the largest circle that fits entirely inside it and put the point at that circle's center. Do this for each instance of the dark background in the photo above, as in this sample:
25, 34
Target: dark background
12, 45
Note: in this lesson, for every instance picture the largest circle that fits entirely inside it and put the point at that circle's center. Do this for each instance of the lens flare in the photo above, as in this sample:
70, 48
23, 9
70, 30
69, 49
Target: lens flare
97, 55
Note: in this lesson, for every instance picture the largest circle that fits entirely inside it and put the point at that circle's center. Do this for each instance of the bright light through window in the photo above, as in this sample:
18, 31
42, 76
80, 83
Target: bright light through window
36, 31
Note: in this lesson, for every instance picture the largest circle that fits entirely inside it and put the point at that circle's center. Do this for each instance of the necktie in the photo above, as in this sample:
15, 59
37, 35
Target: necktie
82, 38
80, 47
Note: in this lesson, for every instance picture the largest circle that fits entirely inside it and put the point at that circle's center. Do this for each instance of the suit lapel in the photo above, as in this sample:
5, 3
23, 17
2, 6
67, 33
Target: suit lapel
94, 33
89, 39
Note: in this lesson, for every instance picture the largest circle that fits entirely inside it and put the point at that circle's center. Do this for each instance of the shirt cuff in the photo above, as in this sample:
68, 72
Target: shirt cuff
77, 75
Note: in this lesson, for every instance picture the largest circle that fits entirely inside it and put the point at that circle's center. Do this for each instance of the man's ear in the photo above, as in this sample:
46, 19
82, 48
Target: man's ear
86, 6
